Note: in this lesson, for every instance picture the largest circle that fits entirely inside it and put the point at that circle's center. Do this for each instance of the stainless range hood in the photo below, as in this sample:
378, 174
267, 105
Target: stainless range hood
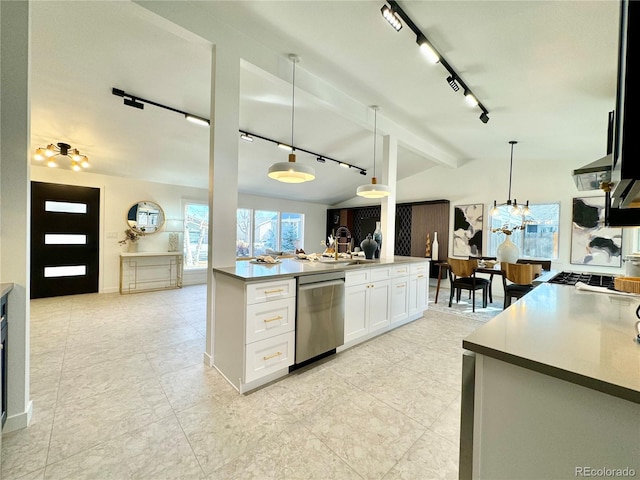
591, 175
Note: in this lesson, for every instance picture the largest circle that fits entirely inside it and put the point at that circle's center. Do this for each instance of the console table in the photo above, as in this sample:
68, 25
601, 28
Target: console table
149, 271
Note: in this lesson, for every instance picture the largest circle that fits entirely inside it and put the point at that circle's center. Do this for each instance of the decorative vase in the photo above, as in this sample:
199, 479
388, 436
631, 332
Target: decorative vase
377, 236
369, 247
507, 251
427, 250
434, 247
133, 247
173, 242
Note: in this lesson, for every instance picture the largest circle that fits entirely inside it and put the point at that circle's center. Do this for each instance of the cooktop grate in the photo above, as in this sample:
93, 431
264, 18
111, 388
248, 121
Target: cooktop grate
593, 279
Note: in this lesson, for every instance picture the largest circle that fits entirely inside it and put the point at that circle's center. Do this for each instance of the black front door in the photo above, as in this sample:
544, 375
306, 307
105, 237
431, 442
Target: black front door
65, 224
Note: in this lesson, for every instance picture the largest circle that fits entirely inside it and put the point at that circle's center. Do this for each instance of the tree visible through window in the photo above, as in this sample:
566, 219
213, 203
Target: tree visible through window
260, 232
196, 229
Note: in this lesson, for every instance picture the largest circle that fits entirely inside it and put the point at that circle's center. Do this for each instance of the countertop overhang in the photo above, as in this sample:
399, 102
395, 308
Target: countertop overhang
582, 337
290, 267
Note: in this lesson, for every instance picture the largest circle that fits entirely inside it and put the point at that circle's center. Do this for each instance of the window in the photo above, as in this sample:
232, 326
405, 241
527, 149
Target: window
260, 231
196, 229
538, 238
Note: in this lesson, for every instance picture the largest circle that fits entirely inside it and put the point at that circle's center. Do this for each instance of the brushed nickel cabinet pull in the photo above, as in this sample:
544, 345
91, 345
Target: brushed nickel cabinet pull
278, 290
277, 354
267, 320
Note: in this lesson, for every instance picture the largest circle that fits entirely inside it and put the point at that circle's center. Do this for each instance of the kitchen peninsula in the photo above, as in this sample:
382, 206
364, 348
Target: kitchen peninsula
555, 388
255, 309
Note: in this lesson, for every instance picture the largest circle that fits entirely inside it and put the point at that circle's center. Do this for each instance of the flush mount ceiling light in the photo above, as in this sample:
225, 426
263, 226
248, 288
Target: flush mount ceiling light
516, 209
78, 161
292, 172
391, 17
138, 102
395, 15
374, 189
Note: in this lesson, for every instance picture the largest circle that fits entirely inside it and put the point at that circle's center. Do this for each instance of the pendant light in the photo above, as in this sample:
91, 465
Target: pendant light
516, 209
292, 172
374, 189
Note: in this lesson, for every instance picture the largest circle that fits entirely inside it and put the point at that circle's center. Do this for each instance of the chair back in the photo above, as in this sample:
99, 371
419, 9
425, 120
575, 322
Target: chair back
546, 264
521, 273
462, 267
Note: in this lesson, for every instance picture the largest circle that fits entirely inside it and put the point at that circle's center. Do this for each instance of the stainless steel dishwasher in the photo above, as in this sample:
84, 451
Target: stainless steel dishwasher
320, 315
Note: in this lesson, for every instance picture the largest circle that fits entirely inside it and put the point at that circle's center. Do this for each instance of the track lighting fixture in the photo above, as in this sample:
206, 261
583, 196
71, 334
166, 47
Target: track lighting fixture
393, 12
374, 189
319, 157
246, 137
78, 161
391, 17
138, 102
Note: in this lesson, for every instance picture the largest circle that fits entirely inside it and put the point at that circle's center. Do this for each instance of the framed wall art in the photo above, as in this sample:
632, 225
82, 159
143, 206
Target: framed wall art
592, 243
467, 230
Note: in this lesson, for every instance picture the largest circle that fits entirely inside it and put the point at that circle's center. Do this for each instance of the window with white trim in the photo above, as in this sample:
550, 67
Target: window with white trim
261, 232
196, 231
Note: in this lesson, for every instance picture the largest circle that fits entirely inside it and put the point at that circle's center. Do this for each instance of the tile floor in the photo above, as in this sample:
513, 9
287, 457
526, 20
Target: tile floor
120, 391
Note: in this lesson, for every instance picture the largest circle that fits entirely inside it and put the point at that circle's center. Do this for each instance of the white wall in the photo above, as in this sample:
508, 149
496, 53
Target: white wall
315, 216
118, 194
476, 182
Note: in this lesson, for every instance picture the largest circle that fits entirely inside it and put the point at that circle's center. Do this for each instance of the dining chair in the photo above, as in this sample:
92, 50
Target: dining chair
490, 274
461, 277
521, 276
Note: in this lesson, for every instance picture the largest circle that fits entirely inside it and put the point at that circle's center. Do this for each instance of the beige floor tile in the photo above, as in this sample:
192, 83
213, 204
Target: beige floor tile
219, 433
365, 432
25, 451
98, 418
432, 457
176, 357
292, 454
192, 385
157, 451
103, 350
447, 424
168, 337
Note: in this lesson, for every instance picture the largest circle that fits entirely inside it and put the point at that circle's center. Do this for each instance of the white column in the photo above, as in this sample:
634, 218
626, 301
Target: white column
223, 172
15, 201
388, 207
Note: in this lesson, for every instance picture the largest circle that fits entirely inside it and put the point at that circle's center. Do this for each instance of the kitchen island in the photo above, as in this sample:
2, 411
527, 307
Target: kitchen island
255, 310
555, 388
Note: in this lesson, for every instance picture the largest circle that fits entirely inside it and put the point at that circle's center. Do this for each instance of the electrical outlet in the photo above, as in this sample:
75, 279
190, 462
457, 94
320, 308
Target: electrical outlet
112, 234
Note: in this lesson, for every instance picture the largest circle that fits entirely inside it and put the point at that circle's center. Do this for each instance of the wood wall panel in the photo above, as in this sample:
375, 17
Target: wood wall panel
430, 218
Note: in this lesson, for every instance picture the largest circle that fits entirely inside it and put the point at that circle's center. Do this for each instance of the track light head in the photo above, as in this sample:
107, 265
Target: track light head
320, 160
391, 17
197, 120
470, 98
427, 49
246, 137
451, 80
131, 102
363, 172
484, 118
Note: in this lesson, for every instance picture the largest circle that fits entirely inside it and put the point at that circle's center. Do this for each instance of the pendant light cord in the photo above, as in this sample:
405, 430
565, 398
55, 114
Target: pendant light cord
375, 131
293, 101
510, 170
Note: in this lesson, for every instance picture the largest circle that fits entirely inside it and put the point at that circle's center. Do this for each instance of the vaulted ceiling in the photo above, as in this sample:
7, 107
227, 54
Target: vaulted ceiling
545, 70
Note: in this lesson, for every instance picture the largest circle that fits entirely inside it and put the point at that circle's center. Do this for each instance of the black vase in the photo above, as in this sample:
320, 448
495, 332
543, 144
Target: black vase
369, 247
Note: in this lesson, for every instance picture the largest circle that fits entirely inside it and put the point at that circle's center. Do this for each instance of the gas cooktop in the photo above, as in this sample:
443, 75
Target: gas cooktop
593, 279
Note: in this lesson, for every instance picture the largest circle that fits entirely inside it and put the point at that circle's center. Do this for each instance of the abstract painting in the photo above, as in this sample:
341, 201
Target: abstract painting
591, 242
467, 230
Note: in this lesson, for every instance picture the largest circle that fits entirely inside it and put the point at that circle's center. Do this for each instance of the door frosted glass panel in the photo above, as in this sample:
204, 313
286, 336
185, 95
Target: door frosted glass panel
64, 239
67, 271
65, 207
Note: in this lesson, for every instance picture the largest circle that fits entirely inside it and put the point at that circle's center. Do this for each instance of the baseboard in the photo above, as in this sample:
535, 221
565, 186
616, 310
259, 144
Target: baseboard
208, 359
19, 421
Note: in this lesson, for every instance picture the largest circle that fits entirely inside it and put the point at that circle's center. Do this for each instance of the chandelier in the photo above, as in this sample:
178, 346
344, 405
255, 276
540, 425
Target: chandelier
516, 209
78, 161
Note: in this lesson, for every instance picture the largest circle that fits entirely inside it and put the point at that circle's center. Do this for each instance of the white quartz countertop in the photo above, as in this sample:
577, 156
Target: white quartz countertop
290, 267
582, 337
5, 288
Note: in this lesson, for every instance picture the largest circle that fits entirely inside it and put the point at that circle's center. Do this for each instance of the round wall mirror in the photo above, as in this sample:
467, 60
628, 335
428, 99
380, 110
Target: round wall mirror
145, 217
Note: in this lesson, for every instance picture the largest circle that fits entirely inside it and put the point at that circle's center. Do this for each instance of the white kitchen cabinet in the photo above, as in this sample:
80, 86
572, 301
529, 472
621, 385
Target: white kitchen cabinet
254, 340
418, 288
367, 303
399, 299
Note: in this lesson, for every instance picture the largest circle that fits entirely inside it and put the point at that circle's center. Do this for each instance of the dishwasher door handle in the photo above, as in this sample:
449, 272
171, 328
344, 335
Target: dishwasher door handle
311, 286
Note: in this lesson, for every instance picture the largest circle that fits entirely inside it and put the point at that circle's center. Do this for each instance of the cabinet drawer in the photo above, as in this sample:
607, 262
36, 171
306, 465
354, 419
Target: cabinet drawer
357, 277
419, 268
267, 291
269, 356
380, 274
400, 270
268, 319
